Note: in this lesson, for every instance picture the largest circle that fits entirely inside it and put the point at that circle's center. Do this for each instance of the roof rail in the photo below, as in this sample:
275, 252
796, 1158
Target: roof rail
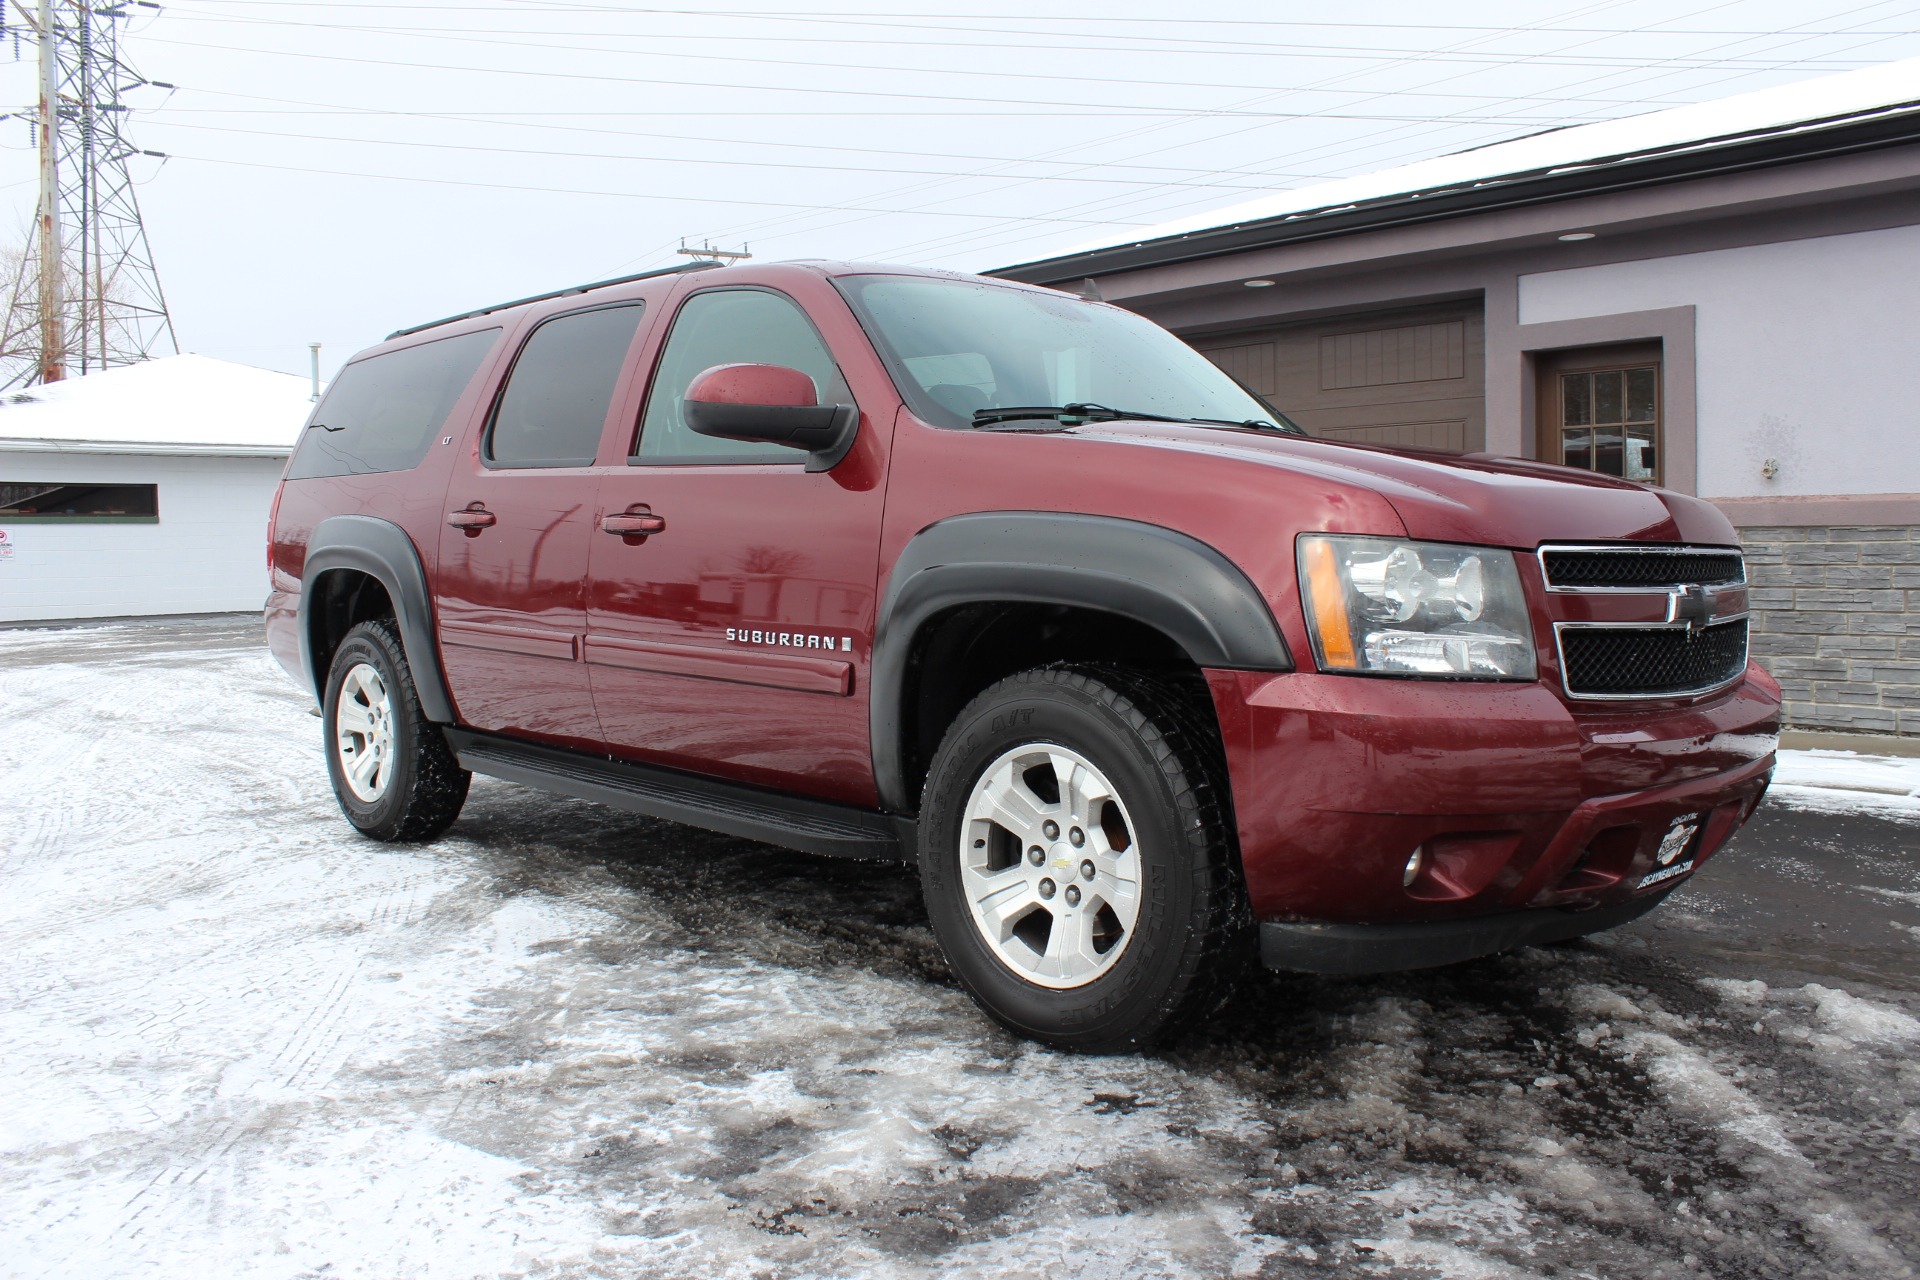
681, 269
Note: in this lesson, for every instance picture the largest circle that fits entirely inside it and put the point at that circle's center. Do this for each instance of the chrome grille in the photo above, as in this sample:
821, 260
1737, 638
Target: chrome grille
1651, 662
1622, 568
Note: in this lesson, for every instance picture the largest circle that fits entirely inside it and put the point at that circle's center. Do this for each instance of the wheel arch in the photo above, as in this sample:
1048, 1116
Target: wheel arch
1161, 589
344, 548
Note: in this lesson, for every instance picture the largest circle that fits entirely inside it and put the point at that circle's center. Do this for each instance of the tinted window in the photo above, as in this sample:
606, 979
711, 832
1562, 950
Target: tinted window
557, 396
731, 326
96, 502
383, 412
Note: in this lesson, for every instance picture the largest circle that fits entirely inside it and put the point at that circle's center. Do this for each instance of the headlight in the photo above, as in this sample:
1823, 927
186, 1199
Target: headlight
1415, 608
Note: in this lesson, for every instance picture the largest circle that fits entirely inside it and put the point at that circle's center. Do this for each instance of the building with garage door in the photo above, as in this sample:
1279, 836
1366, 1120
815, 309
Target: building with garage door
1718, 298
143, 489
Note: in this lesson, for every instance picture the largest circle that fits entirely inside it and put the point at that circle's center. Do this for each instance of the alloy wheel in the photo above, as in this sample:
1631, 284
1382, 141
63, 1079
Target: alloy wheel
1049, 866
363, 732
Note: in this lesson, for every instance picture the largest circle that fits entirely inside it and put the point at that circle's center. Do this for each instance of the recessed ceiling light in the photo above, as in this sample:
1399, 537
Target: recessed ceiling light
1572, 236
1259, 284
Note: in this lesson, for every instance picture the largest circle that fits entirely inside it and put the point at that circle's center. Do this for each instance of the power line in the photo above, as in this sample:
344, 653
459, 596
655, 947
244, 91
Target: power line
1141, 131
617, 195
1361, 53
1136, 210
502, 120
1084, 108
1152, 206
549, 152
861, 17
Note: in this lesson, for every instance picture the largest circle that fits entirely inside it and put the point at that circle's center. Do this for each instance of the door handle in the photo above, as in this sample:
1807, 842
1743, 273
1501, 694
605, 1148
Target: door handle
473, 519
636, 522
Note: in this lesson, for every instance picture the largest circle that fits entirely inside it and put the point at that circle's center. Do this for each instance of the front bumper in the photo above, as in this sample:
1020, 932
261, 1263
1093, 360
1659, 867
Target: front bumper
1520, 803
1388, 948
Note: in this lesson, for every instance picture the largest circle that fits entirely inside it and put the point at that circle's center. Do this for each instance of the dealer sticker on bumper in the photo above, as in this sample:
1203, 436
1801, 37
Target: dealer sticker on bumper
1677, 841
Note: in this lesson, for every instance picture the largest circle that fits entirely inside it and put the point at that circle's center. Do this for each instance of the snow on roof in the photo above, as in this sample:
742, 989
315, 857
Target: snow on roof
1781, 107
174, 405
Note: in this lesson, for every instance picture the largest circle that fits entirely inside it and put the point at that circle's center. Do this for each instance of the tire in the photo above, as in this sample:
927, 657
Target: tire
393, 773
1103, 972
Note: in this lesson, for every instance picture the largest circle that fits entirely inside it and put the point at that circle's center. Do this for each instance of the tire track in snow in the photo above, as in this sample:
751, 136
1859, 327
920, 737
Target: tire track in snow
1756, 1136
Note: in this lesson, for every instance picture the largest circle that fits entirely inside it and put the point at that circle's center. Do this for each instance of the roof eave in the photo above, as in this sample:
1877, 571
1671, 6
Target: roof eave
147, 449
1893, 127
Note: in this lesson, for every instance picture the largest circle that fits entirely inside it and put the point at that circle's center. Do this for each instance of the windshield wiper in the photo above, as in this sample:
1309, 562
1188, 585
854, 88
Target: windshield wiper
1072, 414
1075, 414
1252, 424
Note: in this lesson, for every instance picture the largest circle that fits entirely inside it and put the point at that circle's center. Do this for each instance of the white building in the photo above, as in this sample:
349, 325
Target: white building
143, 489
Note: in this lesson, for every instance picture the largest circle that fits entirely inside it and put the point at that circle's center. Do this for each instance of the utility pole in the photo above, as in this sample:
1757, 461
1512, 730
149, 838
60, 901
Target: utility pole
705, 252
97, 294
313, 349
53, 335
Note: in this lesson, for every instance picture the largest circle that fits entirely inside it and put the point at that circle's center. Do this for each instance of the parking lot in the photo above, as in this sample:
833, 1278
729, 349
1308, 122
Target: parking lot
568, 1042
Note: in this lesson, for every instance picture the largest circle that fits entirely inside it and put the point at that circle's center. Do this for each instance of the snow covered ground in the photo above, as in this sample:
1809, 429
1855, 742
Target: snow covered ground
239, 1041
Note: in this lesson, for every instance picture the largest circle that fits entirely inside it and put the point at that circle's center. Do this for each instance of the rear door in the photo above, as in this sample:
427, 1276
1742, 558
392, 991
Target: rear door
511, 590
736, 640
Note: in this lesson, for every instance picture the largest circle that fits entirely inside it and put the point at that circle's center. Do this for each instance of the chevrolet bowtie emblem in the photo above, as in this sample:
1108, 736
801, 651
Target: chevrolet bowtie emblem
1690, 604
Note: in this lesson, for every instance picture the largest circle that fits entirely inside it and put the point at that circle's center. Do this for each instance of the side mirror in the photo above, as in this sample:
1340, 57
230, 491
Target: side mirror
770, 404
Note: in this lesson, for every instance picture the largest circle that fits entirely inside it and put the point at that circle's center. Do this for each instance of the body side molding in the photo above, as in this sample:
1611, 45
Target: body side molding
1174, 583
383, 551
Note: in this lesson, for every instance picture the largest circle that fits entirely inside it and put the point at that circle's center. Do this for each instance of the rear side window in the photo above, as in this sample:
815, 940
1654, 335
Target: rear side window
731, 326
382, 413
556, 400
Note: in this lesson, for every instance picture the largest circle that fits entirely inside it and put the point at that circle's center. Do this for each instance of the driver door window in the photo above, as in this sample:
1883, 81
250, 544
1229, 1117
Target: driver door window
730, 326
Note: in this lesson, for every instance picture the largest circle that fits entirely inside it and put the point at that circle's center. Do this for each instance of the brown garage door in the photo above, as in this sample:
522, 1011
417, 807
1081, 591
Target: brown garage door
1409, 378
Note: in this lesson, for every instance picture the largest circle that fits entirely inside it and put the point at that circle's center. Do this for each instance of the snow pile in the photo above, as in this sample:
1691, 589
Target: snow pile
1847, 782
176, 404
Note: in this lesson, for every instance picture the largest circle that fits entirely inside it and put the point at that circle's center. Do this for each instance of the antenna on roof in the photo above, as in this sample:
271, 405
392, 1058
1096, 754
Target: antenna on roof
705, 252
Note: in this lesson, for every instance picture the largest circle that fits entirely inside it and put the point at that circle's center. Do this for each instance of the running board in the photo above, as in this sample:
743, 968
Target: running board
731, 808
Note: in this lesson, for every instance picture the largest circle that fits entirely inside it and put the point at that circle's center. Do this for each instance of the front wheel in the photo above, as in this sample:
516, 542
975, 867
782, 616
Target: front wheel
392, 771
1076, 860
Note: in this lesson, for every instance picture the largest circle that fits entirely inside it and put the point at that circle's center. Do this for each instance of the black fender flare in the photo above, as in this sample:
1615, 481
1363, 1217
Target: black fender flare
383, 551
1174, 583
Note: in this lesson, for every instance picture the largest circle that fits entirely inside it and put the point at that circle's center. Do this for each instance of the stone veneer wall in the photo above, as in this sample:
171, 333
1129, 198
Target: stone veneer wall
1836, 619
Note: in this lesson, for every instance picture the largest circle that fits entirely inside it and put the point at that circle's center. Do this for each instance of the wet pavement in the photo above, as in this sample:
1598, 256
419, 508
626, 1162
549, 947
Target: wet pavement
568, 1042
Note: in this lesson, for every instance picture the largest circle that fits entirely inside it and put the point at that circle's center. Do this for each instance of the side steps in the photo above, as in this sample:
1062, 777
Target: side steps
731, 808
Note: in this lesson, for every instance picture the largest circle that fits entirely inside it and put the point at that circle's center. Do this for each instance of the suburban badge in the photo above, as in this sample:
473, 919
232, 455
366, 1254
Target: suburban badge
790, 639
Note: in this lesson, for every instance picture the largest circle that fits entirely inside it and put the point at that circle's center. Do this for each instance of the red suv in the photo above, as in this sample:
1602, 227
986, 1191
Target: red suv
889, 563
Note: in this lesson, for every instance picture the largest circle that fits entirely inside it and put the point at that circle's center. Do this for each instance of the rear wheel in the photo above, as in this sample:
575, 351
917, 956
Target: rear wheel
392, 771
1076, 859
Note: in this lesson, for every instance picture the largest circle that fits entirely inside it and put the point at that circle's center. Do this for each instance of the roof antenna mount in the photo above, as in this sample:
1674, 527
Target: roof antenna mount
1090, 290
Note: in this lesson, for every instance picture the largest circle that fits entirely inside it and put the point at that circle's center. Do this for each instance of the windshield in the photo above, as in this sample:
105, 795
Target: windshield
958, 347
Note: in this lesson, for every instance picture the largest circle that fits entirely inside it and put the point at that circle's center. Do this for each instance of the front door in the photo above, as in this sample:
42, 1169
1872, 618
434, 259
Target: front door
520, 516
736, 639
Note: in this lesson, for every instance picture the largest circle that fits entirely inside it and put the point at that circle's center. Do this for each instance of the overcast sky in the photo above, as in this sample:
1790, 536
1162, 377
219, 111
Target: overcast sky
338, 170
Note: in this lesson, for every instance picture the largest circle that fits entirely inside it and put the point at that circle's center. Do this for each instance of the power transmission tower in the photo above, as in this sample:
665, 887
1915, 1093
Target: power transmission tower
87, 296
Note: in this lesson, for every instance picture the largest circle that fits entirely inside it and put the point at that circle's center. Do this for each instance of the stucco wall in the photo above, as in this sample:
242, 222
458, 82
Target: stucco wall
1803, 349
206, 554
